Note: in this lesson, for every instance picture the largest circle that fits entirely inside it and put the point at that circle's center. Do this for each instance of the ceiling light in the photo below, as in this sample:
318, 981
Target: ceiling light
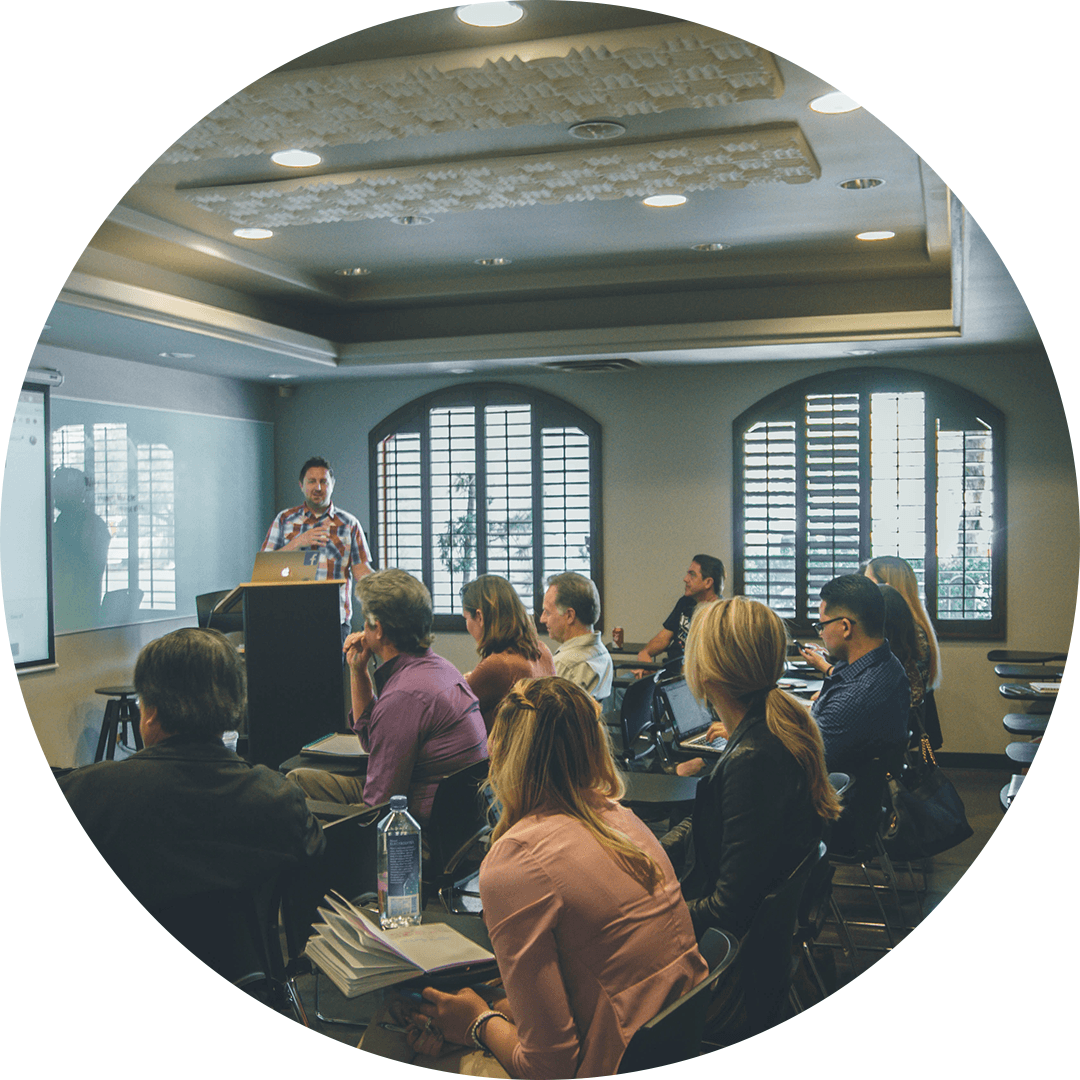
295, 159
253, 234
494, 262
862, 352
710, 247
834, 102
352, 271
461, 371
489, 14
664, 200
862, 184
280, 376
875, 234
597, 129
177, 355
412, 219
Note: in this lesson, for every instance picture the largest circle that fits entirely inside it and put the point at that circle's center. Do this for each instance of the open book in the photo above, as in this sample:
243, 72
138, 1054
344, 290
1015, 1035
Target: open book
359, 957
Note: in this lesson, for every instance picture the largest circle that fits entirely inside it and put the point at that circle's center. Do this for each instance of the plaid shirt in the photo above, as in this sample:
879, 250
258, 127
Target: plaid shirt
347, 545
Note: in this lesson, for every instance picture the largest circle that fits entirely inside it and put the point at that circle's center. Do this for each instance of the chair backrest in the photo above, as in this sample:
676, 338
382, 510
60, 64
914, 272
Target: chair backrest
864, 799
637, 715
229, 622
459, 812
814, 905
674, 1034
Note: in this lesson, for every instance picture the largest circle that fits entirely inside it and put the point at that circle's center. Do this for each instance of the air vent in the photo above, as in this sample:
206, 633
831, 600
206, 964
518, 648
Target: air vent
613, 364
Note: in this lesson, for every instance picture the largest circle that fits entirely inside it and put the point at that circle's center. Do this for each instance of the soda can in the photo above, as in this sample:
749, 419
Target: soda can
617, 636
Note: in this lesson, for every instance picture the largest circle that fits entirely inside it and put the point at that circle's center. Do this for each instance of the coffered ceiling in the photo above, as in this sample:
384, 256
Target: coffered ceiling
485, 232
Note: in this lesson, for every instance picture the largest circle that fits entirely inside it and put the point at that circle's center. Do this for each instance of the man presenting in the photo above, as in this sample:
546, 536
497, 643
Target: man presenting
417, 718
866, 695
571, 608
318, 524
704, 581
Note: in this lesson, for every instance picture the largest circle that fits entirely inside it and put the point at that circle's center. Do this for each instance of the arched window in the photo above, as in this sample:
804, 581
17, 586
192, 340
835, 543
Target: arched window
486, 479
844, 467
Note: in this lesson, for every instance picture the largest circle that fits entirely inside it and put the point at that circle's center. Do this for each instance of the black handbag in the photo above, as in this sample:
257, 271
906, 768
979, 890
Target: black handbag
927, 815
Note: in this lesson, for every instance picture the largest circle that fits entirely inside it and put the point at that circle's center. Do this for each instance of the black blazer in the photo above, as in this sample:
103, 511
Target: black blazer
753, 822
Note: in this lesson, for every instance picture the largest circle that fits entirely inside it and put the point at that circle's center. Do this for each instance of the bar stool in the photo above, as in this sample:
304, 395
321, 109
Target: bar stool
120, 710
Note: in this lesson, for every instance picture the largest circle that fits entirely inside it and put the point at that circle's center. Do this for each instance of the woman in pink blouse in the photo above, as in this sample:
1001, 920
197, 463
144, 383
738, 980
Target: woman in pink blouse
506, 640
584, 911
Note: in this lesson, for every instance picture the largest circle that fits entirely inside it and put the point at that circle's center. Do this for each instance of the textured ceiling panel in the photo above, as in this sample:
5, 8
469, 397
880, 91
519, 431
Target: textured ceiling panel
769, 154
632, 72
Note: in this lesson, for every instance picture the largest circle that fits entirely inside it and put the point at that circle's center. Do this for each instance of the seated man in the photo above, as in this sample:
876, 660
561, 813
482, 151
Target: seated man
185, 815
866, 695
417, 719
704, 581
571, 607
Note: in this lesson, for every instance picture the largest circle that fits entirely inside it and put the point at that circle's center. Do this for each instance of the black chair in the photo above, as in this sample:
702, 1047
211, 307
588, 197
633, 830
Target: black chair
637, 723
455, 837
675, 1033
228, 622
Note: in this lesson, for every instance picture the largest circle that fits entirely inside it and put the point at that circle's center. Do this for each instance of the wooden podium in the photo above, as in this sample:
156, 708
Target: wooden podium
292, 646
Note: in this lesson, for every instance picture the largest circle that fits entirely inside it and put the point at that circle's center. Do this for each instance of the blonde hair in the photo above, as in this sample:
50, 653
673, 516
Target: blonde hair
897, 572
741, 645
550, 751
507, 626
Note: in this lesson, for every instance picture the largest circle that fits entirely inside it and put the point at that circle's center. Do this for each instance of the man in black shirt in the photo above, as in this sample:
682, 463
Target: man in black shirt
704, 581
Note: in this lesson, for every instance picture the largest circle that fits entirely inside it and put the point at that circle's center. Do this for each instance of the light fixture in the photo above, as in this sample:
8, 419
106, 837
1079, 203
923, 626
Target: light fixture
177, 355
295, 159
664, 200
461, 371
863, 183
493, 262
862, 352
834, 102
352, 271
278, 375
253, 234
489, 14
710, 247
412, 219
597, 129
875, 234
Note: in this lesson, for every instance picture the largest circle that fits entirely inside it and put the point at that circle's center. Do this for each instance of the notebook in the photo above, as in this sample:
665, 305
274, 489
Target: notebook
285, 565
690, 719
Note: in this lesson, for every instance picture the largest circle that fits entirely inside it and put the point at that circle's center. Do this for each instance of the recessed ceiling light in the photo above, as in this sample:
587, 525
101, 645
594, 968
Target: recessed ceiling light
862, 352
352, 271
253, 234
494, 262
461, 371
489, 14
597, 129
295, 159
177, 355
412, 219
710, 247
875, 234
277, 375
664, 200
834, 102
861, 184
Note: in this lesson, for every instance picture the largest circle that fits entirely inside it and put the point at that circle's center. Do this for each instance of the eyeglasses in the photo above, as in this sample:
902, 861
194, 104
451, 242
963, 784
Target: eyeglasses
819, 625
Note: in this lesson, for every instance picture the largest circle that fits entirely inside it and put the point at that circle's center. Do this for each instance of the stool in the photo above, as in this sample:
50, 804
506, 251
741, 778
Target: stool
120, 710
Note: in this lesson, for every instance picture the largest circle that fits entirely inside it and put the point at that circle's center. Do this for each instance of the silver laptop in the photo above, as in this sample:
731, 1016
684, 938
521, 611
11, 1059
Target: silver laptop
690, 719
287, 566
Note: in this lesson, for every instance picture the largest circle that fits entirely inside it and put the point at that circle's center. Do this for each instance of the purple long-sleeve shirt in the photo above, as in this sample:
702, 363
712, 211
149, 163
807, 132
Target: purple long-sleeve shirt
424, 724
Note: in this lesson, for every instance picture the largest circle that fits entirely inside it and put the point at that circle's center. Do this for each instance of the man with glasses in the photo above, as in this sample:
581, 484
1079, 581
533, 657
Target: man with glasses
865, 698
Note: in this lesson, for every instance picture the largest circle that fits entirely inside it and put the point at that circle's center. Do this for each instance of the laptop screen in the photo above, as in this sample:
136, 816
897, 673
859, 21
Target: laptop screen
689, 715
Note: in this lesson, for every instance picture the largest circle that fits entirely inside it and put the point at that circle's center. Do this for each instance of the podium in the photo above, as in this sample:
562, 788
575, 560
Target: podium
292, 648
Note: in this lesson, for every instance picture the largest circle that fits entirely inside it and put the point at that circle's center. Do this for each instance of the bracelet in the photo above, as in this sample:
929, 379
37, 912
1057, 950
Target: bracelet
478, 1023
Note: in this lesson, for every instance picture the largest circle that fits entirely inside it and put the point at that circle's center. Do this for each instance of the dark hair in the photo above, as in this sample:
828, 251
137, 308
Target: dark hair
578, 592
899, 625
507, 625
860, 598
316, 463
711, 567
402, 604
897, 572
194, 678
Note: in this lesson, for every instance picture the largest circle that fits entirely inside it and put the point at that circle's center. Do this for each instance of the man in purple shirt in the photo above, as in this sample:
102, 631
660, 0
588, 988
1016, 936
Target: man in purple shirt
417, 718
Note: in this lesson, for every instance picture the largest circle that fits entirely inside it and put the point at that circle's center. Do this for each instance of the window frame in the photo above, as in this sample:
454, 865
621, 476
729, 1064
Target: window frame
942, 397
548, 412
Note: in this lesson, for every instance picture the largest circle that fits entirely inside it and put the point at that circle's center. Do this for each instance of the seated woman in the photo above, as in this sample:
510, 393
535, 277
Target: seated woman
586, 919
762, 808
506, 640
897, 572
904, 643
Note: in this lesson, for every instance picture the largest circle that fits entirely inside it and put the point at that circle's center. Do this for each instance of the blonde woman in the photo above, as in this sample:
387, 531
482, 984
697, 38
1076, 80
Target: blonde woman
506, 639
583, 908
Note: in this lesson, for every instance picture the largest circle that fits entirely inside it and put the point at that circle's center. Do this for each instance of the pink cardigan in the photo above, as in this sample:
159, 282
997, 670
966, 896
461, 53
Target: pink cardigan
586, 954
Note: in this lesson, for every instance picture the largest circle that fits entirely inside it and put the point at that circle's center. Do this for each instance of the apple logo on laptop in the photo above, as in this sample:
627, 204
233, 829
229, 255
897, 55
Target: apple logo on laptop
285, 570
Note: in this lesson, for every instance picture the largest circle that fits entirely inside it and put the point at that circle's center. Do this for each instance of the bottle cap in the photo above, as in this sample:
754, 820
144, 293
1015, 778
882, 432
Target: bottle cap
399, 802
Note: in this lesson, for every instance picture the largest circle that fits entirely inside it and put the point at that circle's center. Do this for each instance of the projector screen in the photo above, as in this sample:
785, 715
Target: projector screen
25, 536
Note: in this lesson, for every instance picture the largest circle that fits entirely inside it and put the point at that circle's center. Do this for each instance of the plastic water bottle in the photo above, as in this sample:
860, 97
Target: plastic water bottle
399, 866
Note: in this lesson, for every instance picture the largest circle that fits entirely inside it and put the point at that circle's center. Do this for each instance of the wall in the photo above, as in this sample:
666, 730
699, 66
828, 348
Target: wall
65, 711
667, 491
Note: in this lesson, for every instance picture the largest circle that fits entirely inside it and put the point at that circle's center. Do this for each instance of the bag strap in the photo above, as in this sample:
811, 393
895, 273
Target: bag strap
924, 741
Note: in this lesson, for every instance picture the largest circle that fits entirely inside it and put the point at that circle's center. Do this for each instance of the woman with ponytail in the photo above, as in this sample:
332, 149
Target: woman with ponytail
763, 806
583, 908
